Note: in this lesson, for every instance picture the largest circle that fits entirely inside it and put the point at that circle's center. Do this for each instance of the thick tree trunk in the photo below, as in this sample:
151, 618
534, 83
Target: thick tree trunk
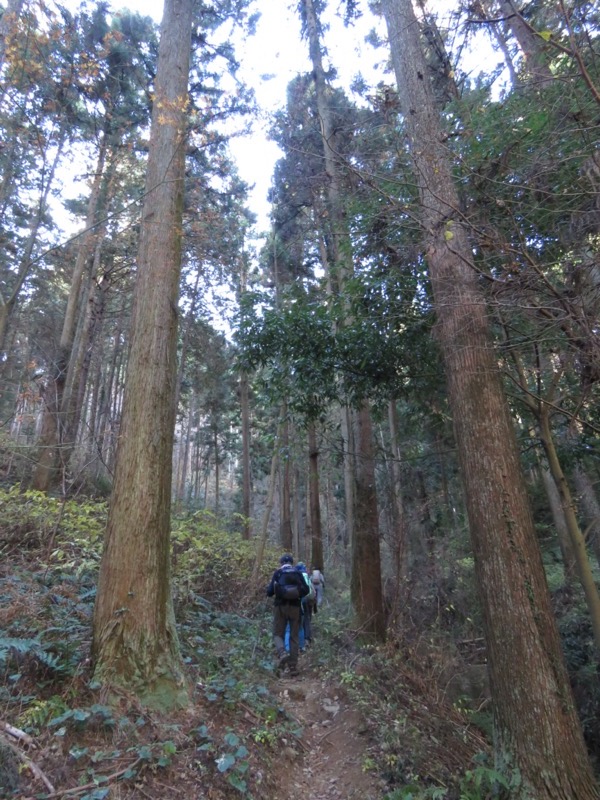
46, 470
366, 590
316, 532
79, 366
339, 267
285, 512
135, 642
537, 730
399, 533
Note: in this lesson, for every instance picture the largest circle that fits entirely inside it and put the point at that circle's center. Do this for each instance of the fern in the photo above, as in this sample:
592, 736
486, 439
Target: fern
9, 646
17, 649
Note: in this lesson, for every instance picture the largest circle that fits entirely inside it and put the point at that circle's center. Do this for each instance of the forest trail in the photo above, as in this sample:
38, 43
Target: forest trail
326, 763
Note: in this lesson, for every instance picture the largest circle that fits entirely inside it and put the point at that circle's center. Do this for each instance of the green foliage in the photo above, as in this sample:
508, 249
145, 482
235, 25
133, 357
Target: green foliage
24, 654
485, 783
208, 559
213, 562
479, 783
581, 658
233, 759
78, 718
40, 712
415, 792
379, 347
154, 756
35, 519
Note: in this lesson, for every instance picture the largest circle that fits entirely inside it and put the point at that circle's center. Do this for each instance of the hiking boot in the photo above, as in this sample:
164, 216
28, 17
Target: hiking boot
284, 660
294, 671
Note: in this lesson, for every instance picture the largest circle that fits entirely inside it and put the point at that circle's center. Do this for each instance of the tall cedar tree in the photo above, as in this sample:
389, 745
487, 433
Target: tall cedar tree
363, 518
537, 730
134, 638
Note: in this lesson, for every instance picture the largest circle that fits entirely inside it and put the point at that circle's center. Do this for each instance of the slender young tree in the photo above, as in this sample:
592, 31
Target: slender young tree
537, 730
244, 396
135, 642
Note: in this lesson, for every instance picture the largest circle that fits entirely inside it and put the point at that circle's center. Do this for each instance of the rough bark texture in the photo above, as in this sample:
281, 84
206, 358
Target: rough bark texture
400, 541
339, 266
588, 502
245, 414
134, 638
52, 429
367, 560
366, 590
537, 730
285, 515
316, 531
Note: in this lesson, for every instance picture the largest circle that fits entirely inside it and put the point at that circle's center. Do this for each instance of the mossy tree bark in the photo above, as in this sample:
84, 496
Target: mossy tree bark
135, 645
536, 726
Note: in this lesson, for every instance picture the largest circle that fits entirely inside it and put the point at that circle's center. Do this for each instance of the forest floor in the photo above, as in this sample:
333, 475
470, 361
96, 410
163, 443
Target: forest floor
405, 718
358, 722
335, 751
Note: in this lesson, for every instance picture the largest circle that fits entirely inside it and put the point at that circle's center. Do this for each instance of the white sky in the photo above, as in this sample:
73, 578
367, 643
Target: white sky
269, 60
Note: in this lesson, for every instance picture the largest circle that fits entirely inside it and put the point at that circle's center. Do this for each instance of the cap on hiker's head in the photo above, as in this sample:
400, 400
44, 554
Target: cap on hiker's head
286, 558
301, 566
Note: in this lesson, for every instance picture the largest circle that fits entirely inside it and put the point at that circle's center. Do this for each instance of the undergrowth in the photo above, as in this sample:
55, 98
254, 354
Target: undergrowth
425, 742
235, 728
225, 740
425, 745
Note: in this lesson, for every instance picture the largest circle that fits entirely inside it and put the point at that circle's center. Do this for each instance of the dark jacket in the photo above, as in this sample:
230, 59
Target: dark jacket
292, 576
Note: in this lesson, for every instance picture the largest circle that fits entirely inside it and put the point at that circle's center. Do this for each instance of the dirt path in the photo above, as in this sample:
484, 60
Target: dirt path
328, 762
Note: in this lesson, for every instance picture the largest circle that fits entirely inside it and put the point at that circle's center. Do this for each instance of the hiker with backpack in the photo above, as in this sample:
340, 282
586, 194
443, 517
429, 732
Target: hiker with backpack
306, 611
307, 606
318, 581
288, 587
